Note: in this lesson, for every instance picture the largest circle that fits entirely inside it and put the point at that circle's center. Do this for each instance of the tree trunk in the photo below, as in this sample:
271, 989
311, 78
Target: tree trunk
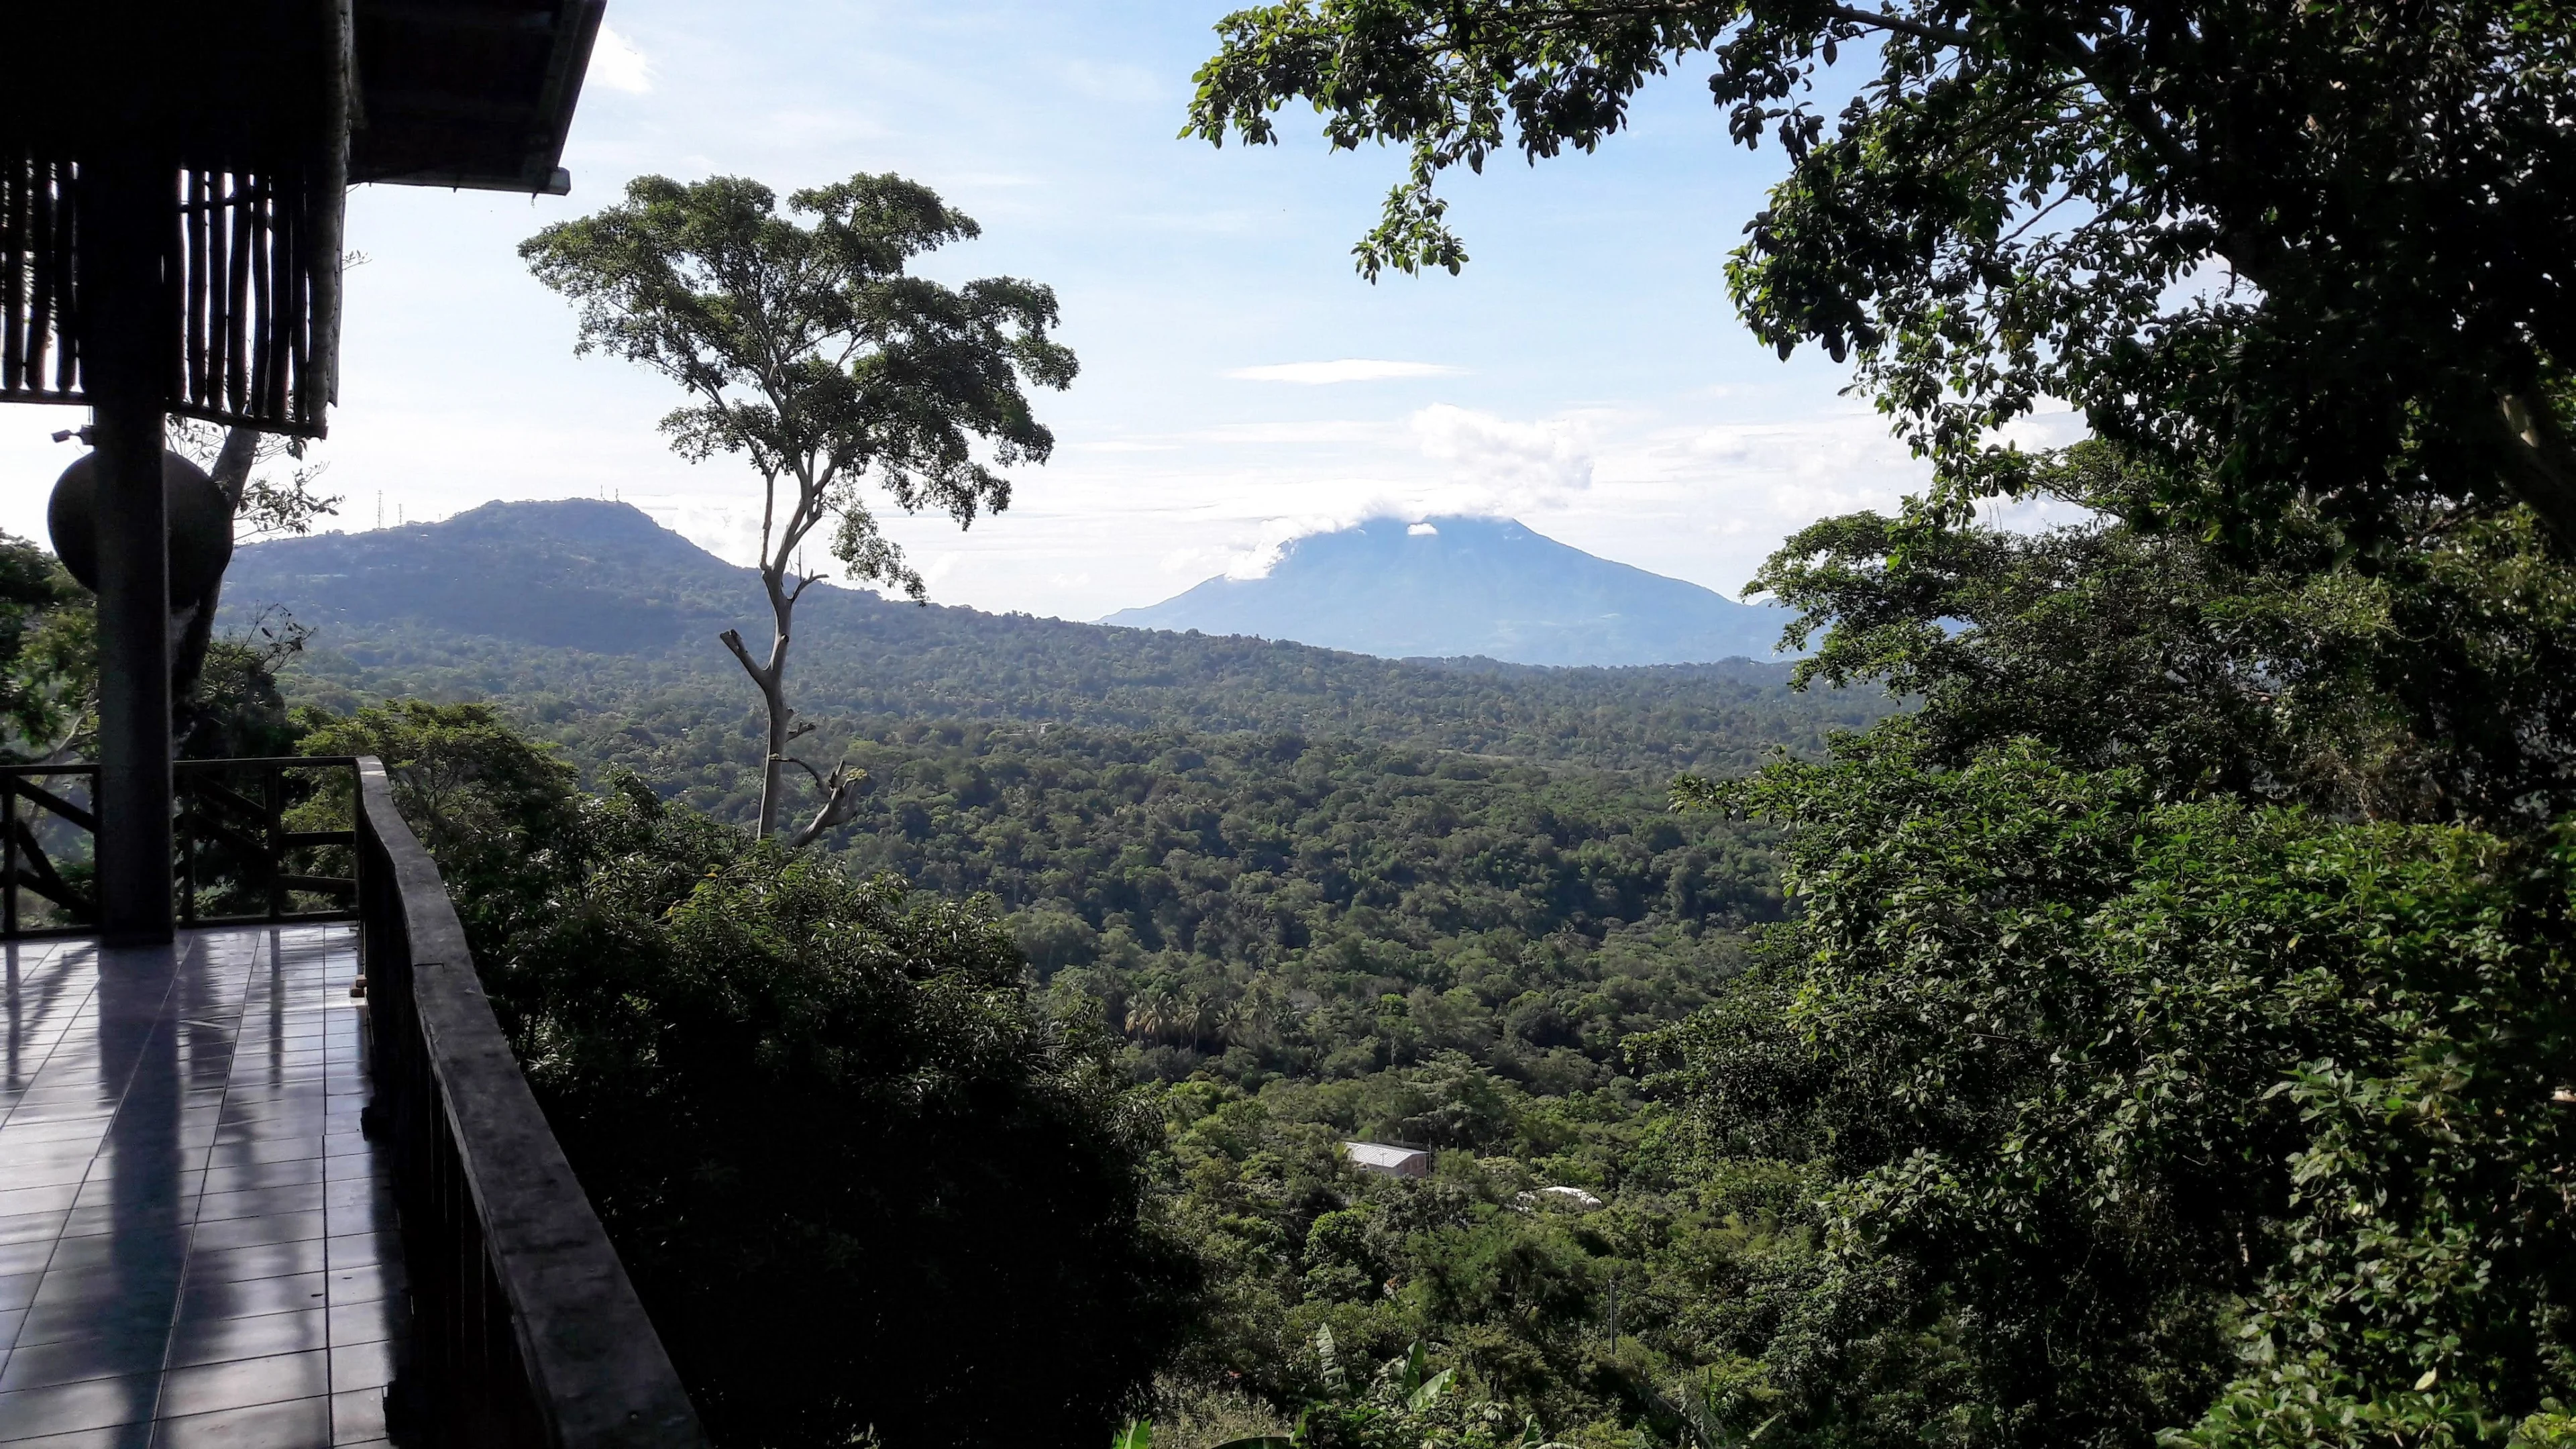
774, 695
2541, 466
771, 680
193, 620
233, 463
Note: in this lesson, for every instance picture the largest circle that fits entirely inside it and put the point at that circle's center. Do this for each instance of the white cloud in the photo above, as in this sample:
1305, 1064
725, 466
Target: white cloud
1117, 445
1345, 369
1268, 542
2053, 426
818, 127
1310, 431
618, 65
1113, 82
1499, 466
1486, 465
1423, 530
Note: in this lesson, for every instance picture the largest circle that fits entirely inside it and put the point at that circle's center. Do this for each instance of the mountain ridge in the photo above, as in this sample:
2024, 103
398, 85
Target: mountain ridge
587, 614
1465, 585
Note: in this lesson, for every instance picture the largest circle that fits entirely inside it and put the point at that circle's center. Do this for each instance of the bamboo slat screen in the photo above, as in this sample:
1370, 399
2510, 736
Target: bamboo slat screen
253, 342
39, 361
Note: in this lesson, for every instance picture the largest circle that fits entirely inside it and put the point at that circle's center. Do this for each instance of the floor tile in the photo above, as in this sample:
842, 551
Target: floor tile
253, 1297
368, 1321
242, 1383
219, 1340
358, 1417
104, 1250
67, 1408
63, 1127
71, 1360
297, 1197
111, 1201
260, 1260
145, 1276
20, 1158
117, 1233
72, 1172
251, 1232
263, 1153
351, 1167
361, 1285
237, 1177
31, 1227
131, 1207
18, 1200
80, 1318
361, 1366
295, 1424
136, 1435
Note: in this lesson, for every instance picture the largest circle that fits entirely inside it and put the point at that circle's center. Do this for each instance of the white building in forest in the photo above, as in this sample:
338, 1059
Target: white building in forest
1392, 1160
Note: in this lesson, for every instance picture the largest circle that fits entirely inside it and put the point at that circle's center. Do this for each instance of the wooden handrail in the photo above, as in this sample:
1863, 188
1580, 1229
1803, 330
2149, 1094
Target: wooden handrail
526, 1330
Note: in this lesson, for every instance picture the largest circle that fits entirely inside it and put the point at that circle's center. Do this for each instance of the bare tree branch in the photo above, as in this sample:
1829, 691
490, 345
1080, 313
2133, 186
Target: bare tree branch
1879, 20
841, 790
732, 639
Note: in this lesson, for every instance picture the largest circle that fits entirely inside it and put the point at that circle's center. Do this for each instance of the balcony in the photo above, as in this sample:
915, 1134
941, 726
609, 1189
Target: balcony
280, 1182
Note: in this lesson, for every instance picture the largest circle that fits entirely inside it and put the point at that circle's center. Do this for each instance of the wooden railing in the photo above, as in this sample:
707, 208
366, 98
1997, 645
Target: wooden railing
525, 1330
247, 852
48, 813
239, 848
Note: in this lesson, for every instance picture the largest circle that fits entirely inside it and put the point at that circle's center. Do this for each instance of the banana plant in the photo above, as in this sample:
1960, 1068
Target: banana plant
1407, 1405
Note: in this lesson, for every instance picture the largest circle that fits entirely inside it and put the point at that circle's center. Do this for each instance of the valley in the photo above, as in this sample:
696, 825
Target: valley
1304, 895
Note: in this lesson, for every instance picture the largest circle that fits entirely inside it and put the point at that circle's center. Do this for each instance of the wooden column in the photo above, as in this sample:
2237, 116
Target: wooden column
129, 341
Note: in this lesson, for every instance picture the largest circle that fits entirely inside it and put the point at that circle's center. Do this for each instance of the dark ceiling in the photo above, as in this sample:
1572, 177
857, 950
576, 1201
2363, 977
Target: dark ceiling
469, 93
475, 93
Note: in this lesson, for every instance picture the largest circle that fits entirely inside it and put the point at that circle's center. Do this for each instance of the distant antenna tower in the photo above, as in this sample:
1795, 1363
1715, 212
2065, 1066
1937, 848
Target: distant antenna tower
380, 508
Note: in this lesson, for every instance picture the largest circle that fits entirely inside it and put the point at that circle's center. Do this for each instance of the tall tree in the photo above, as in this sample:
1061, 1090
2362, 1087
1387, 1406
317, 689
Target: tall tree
2286, 253
809, 350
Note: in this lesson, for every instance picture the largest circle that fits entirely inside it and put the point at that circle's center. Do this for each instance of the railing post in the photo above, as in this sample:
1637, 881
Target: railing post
9, 907
273, 797
358, 872
187, 852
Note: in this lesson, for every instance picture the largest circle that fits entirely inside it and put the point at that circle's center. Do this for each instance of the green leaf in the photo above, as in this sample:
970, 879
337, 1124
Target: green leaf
1421, 1399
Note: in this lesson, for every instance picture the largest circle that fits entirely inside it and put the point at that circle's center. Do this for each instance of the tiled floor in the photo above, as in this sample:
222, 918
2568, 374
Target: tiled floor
196, 1244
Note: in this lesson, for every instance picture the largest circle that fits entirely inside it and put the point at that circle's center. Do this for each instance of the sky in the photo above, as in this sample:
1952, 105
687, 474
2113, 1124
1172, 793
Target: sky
1241, 385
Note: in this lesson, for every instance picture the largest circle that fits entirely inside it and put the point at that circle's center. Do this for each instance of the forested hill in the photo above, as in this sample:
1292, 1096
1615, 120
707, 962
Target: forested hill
586, 609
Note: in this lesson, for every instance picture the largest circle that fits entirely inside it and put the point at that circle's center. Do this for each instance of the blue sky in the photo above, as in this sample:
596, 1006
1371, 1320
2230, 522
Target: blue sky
1585, 374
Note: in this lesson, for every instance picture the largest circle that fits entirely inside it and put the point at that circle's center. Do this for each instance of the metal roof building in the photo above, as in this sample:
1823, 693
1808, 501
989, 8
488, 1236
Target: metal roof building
1390, 1159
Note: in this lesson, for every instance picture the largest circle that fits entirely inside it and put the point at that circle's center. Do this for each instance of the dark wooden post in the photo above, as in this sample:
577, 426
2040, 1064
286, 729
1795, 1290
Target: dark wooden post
129, 360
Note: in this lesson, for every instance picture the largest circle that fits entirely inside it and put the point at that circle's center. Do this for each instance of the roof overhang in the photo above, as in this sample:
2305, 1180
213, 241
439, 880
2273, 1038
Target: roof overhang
462, 93
255, 116
468, 93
